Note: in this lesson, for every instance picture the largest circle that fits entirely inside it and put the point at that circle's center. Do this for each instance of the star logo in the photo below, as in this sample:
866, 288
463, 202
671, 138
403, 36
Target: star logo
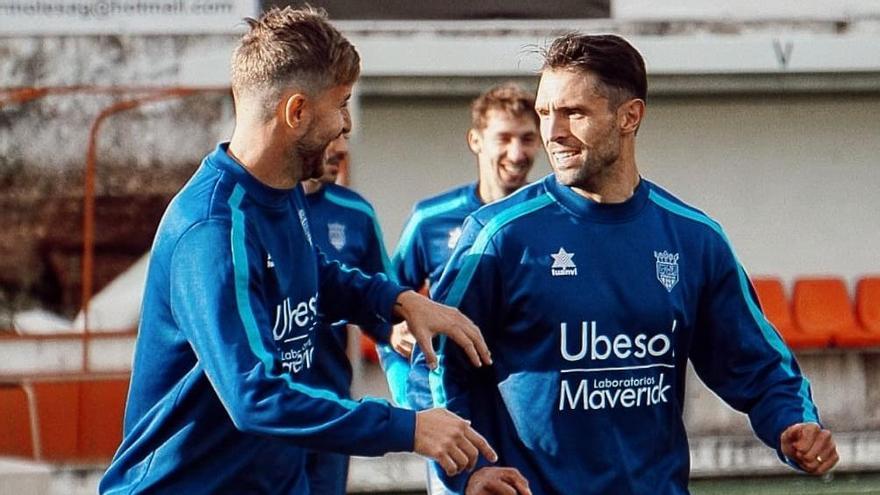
562, 264
454, 235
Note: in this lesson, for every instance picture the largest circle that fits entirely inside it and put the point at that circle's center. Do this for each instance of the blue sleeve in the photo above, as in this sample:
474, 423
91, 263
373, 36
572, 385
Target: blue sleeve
376, 261
350, 294
470, 282
393, 364
397, 370
218, 303
409, 265
741, 357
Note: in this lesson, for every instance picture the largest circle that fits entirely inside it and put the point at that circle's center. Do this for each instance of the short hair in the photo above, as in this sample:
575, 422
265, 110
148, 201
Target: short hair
615, 62
509, 98
292, 47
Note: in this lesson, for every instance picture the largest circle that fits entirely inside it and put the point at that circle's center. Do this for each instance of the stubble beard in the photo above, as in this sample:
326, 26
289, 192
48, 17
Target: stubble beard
309, 158
596, 167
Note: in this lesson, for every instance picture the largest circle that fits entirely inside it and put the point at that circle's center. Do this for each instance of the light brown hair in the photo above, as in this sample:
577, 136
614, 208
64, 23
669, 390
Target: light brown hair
291, 48
508, 98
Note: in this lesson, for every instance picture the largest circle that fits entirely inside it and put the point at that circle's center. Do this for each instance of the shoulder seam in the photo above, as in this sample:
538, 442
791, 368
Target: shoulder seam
486, 235
354, 203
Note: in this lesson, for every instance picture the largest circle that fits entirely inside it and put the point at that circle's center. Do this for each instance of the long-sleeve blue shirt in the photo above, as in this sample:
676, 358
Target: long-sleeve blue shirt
591, 312
233, 295
427, 241
345, 229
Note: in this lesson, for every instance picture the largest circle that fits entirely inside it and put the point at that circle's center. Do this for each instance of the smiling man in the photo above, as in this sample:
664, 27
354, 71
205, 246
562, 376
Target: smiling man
504, 139
594, 288
236, 289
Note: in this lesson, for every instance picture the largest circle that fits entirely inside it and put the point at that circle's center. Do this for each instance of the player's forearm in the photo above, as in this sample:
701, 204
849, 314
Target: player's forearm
349, 294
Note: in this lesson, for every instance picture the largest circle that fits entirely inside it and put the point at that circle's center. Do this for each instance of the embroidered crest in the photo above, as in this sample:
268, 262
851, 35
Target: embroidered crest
336, 232
667, 269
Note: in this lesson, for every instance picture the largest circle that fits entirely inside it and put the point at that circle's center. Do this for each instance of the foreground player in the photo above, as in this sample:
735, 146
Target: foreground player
345, 229
234, 292
504, 138
593, 288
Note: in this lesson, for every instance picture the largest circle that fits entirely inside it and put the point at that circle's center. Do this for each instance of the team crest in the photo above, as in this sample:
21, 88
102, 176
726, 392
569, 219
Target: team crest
667, 269
336, 232
454, 235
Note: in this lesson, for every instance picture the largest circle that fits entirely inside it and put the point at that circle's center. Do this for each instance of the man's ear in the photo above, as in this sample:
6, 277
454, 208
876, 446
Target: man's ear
630, 115
475, 141
295, 109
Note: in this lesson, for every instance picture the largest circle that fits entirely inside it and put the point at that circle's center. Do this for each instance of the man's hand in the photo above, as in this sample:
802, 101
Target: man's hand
426, 318
497, 481
811, 447
401, 340
450, 440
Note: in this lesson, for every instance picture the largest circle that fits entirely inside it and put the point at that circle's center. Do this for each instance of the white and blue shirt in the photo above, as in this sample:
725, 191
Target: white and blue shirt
592, 312
234, 293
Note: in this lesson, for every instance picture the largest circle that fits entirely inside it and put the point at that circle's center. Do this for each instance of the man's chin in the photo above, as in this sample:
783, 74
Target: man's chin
313, 166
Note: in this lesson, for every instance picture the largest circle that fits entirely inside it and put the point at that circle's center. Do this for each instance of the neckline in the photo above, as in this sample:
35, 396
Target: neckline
599, 212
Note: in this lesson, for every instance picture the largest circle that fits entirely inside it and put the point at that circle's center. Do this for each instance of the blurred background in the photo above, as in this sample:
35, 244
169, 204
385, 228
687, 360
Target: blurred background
765, 114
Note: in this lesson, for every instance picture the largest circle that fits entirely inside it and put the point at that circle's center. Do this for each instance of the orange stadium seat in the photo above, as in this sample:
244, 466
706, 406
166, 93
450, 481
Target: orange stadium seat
101, 413
822, 307
16, 437
57, 405
771, 295
868, 304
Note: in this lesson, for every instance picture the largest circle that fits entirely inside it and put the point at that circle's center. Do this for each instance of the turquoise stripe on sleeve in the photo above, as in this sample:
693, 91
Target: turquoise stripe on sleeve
767, 329
419, 216
472, 258
367, 210
246, 313
397, 372
463, 279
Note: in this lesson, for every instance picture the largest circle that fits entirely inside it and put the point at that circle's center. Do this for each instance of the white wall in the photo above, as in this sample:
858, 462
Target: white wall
407, 149
793, 179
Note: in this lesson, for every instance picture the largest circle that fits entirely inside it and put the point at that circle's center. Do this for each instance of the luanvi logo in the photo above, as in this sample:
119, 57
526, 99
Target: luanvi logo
454, 235
563, 266
304, 221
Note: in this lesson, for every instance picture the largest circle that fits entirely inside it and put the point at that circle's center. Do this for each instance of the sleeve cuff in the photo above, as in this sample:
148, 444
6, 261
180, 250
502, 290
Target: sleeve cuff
380, 333
387, 298
403, 433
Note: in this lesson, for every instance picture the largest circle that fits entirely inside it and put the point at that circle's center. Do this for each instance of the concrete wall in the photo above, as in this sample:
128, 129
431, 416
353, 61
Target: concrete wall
793, 179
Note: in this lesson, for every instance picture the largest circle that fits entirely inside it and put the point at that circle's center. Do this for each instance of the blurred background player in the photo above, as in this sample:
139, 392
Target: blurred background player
593, 288
344, 227
504, 137
234, 292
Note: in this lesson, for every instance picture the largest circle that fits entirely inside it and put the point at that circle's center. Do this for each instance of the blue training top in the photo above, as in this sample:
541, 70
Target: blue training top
232, 301
427, 241
345, 229
591, 312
